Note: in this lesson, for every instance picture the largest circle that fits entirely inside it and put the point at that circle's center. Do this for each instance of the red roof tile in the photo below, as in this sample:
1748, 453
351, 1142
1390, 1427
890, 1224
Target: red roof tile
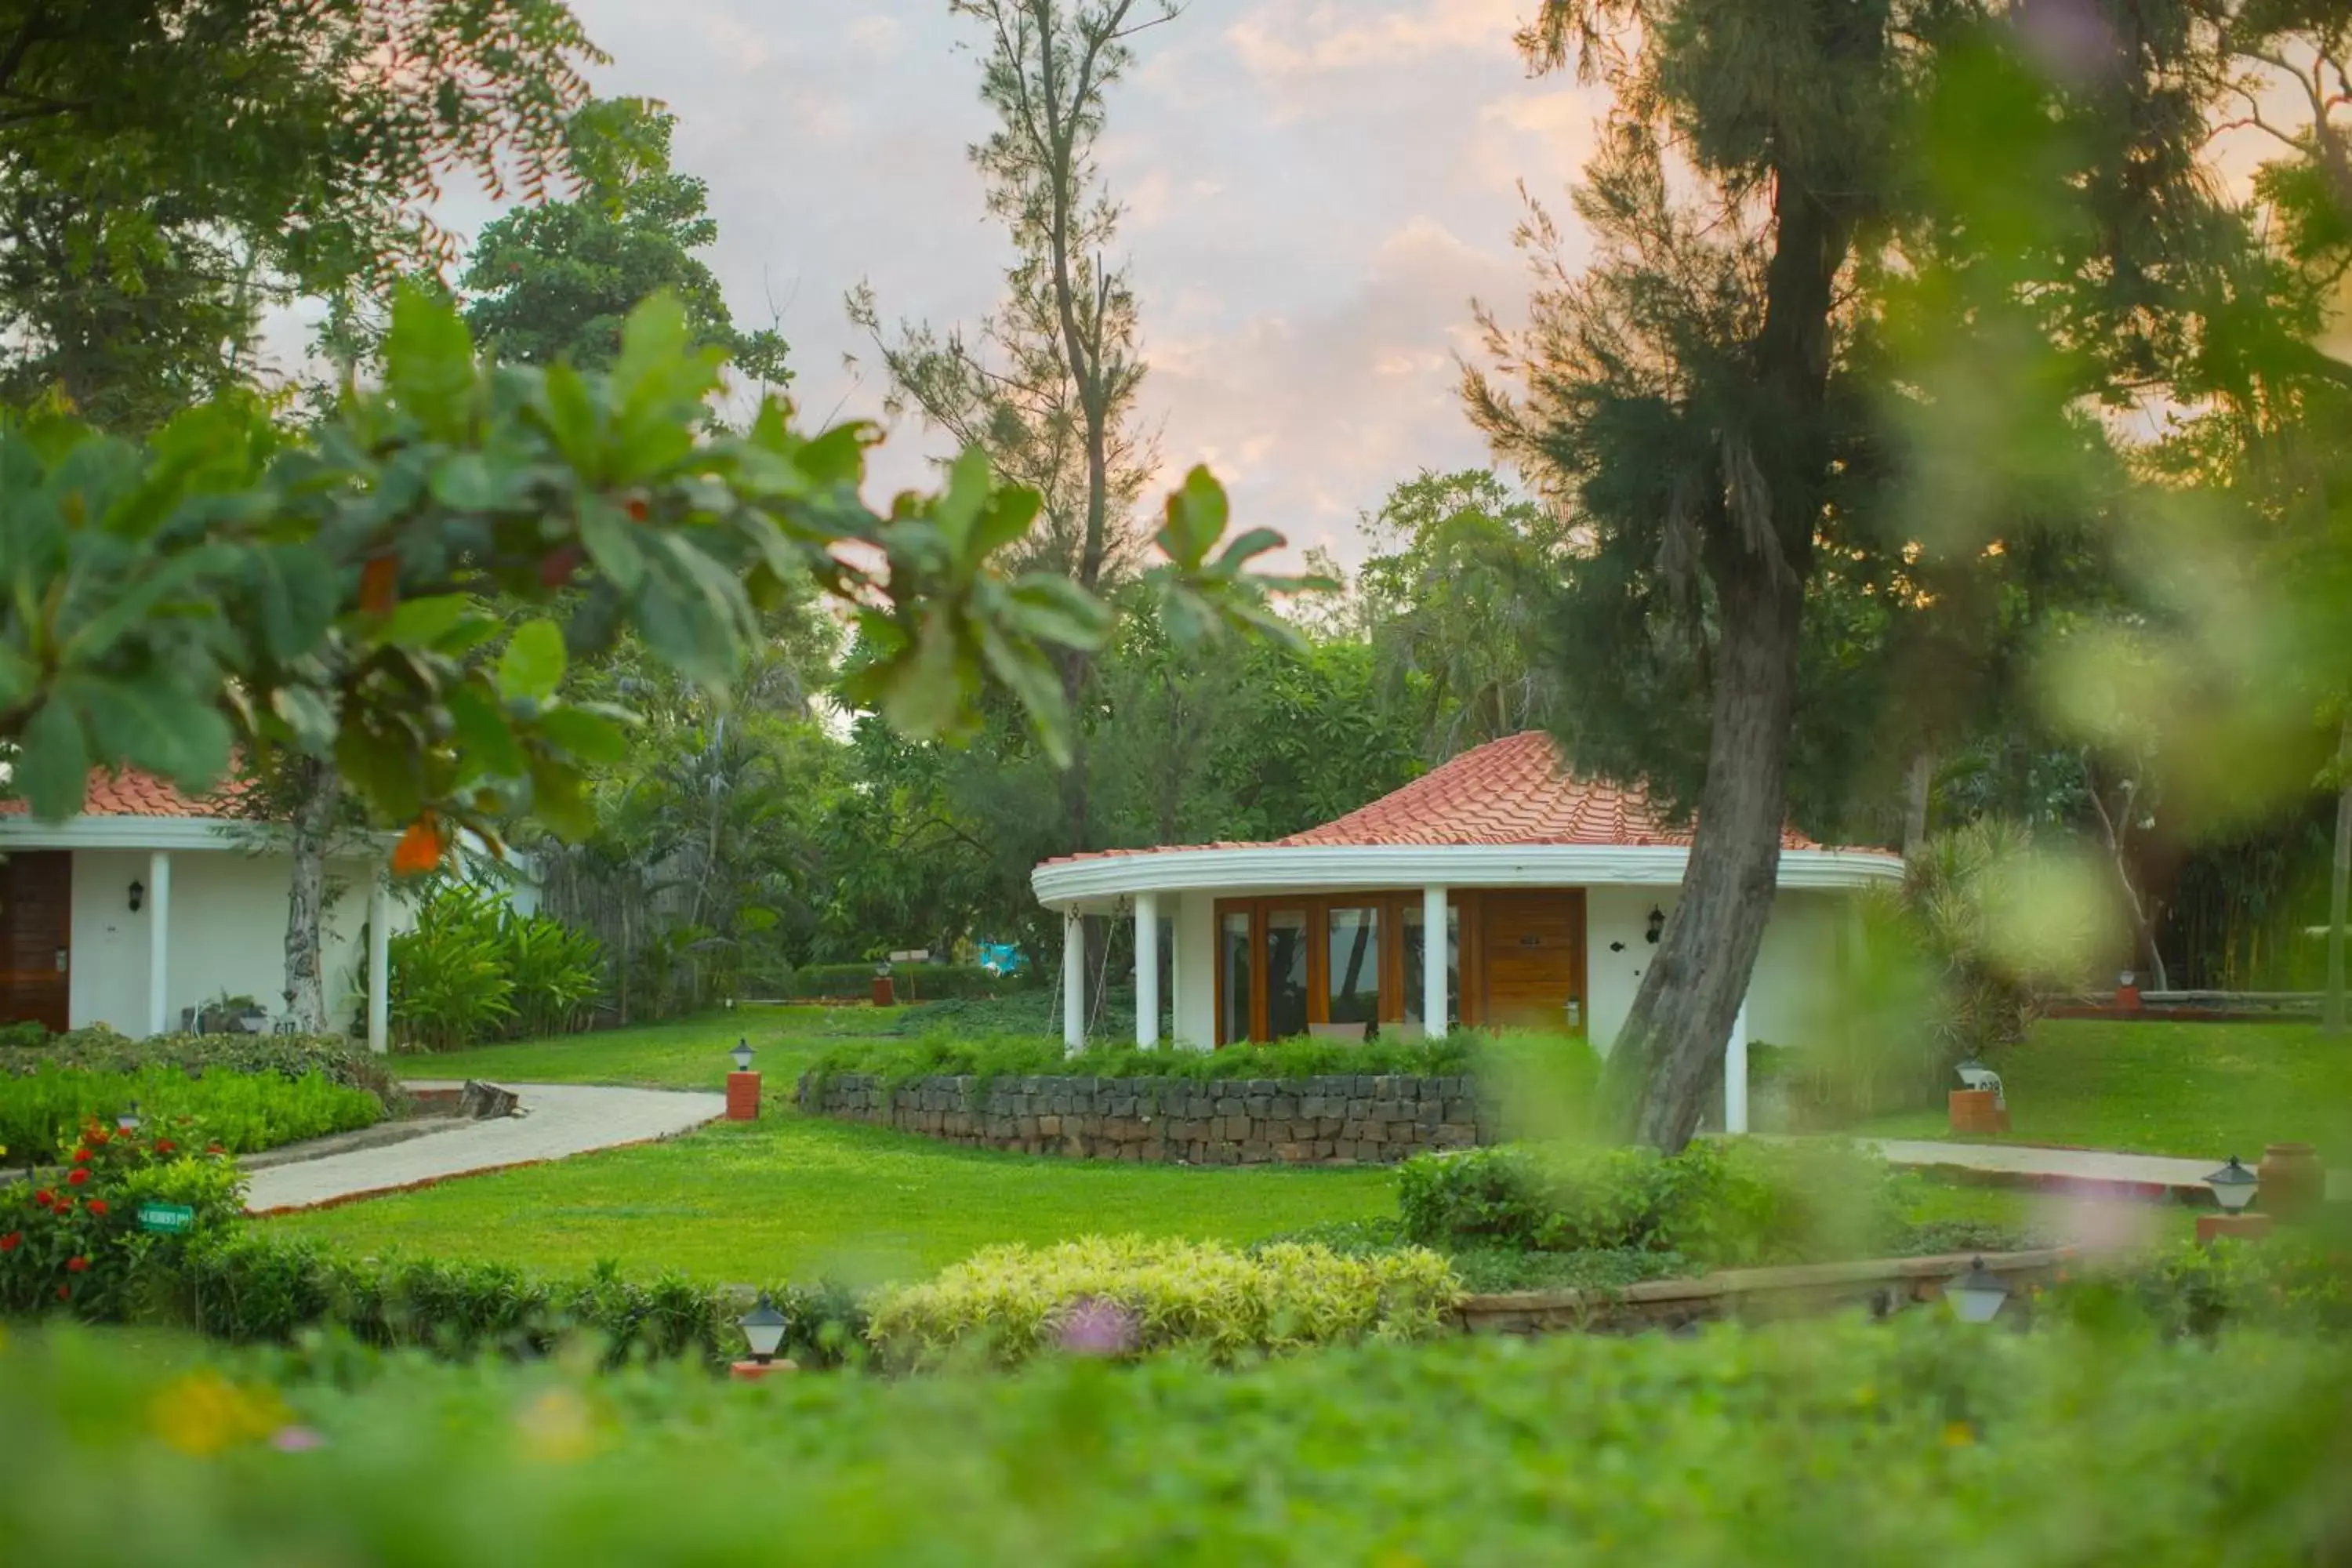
129, 793
1512, 791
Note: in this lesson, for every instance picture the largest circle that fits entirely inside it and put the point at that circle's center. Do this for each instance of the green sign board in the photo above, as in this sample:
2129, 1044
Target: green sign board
171, 1219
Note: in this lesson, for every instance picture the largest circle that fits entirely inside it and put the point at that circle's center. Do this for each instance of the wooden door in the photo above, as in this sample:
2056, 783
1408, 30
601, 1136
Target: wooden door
36, 937
1533, 946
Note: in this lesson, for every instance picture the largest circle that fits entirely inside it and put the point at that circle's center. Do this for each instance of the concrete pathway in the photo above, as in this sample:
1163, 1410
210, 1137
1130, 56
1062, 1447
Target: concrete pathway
557, 1120
2089, 1173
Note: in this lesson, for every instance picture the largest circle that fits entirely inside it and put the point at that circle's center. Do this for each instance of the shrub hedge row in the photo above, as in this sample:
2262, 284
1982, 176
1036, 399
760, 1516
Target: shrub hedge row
101, 1049
911, 981
43, 1111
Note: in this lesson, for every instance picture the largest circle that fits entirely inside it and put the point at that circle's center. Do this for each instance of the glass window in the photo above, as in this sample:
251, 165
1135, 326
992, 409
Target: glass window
1238, 965
1412, 951
1285, 973
1355, 966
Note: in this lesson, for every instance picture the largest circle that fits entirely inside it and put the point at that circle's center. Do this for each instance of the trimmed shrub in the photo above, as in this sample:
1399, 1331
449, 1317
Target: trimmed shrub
912, 982
1128, 1296
1720, 1206
958, 1055
43, 1111
101, 1049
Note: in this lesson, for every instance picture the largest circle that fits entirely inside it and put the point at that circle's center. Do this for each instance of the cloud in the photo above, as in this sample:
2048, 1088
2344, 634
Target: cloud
1293, 39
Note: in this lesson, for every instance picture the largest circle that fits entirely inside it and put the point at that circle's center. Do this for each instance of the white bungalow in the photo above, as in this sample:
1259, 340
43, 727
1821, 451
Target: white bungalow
1552, 890
150, 904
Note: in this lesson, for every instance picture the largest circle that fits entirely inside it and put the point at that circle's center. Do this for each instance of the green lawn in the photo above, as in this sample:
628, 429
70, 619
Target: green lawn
793, 1197
2200, 1091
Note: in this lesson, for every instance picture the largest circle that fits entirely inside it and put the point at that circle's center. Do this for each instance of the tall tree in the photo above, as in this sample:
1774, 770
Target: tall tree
1711, 396
555, 280
1047, 385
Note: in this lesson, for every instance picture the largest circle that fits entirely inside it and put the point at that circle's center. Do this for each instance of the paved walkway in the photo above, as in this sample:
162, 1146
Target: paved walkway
2090, 1172
558, 1119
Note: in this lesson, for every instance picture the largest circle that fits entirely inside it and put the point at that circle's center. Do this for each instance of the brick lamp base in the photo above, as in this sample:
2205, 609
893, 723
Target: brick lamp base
742, 1097
2243, 1226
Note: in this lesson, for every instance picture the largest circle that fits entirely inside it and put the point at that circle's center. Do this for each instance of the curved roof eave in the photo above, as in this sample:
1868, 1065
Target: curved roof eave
1246, 870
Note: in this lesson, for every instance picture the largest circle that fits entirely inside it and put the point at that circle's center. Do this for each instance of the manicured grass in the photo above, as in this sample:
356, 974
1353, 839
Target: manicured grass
792, 1197
2199, 1091
687, 1053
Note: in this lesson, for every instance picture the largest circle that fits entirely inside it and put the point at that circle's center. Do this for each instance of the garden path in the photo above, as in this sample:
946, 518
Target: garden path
2091, 1171
557, 1120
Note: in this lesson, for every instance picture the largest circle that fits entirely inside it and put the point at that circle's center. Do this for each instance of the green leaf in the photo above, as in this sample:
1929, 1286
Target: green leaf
295, 589
486, 741
308, 714
420, 622
428, 362
532, 665
467, 481
1054, 609
557, 800
151, 723
574, 420
1196, 519
959, 507
611, 540
925, 690
52, 762
1030, 677
591, 737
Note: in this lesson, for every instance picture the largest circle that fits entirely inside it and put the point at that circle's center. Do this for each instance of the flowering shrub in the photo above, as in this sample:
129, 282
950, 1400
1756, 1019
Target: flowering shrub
73, 1243
41, 1111
1131, 1295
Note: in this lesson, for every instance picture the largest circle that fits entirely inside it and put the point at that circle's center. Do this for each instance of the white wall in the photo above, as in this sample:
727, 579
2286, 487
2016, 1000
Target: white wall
1795, 970
1195, 916
227, 933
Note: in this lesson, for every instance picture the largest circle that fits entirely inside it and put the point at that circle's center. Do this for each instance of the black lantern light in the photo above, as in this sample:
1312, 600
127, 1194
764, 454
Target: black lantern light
763, 1330
742, 1055
1976, 1296
2233, 1185
138, 894
1657, 924
128, 1122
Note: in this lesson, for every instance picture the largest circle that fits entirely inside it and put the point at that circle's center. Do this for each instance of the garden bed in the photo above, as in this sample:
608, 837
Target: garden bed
1328, 1119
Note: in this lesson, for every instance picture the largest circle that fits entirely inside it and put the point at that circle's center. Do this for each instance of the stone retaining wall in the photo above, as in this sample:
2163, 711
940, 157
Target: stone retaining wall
1349, 1118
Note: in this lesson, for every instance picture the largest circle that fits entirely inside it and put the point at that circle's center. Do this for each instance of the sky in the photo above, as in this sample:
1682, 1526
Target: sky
1316, 192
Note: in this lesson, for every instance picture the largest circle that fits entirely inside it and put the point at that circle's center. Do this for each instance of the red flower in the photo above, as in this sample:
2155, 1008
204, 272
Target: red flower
12, 1241
214, 1148
76, 1177
163, 1145
65, 1292
43, 1198
81, 1157
76, 1265
96, 1134
97, 1205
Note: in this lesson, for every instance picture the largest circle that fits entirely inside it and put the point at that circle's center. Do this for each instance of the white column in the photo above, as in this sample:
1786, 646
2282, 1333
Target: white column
1074, 981
1147, 969
379, 997
1432, 961
1735, 1073
159, 941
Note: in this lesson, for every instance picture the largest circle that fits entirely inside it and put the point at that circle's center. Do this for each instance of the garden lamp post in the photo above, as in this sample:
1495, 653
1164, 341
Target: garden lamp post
1978, 1294
2233, 1188
763, 1330
743, 1085
128, 1122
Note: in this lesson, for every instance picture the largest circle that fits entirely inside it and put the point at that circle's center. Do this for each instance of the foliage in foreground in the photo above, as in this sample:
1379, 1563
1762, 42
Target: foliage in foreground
1131, 1296
1721, 1204
42, 1111
1842, 1442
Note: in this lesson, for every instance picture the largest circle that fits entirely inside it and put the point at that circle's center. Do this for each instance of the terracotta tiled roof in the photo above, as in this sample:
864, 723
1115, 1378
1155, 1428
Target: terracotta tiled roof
129, 793
1512, 791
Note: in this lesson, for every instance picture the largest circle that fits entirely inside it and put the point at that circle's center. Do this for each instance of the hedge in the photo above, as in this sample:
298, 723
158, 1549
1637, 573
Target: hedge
943, 1055
1921, 1440
1719, 1205
101, 1049
42, 1111
1135, 1295
911, 981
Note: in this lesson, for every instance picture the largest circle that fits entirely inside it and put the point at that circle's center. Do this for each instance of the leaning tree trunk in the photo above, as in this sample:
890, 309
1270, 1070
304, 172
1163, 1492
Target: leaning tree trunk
1918, 783
1669, 1057
316, 789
